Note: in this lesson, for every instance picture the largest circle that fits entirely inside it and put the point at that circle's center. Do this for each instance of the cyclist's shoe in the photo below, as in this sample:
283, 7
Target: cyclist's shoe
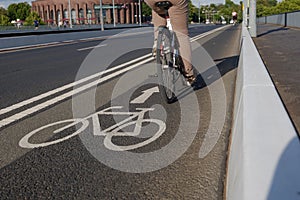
191, 80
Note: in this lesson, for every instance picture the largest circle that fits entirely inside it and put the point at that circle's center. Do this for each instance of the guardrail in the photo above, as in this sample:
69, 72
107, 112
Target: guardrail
11, 31
291, 19
264, 155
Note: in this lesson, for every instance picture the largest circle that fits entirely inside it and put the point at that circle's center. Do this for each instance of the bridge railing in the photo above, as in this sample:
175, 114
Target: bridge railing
264, 152
291, 19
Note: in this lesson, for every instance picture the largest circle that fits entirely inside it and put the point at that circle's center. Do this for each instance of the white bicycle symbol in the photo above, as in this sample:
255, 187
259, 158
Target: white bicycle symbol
135, 118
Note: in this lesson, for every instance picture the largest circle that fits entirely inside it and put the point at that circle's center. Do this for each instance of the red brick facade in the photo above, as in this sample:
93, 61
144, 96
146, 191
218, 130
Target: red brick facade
86, 11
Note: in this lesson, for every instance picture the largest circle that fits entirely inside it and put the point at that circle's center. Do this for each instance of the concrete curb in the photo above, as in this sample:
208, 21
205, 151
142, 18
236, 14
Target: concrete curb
264, 156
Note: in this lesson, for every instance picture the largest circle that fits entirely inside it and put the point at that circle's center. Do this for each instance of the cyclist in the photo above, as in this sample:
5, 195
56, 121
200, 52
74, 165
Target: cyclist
178, 13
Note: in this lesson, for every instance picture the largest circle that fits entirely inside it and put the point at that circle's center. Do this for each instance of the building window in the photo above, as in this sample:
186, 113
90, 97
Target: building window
81, 16
65, 15
73, 16
58, 16
89, 16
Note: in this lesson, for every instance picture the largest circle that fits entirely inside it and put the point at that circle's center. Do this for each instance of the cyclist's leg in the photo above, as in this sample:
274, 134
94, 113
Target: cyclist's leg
179, 20
156, 19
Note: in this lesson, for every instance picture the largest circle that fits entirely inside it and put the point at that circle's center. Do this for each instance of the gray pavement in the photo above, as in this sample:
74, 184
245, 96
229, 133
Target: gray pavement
279, 48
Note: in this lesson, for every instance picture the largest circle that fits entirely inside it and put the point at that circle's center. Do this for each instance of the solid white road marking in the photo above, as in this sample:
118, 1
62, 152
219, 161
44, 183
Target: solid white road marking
30, 46
67, 41
208, 33
146, 94
65, 87
19, 48
60, 98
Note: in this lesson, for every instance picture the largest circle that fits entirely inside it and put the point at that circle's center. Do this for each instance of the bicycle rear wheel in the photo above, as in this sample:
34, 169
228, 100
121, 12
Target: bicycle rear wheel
165, 67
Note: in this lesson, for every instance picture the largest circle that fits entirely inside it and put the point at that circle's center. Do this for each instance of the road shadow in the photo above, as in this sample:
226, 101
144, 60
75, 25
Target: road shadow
286, 179
273, 30
211, 75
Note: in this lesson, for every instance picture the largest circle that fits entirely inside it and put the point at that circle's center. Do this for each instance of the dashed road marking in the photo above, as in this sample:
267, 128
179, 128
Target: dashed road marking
92, 47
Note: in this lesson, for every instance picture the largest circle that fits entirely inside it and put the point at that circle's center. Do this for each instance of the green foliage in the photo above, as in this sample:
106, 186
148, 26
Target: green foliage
193, 12
30, 19
146, 10
18, 11
271, 7
4, 19
215, 12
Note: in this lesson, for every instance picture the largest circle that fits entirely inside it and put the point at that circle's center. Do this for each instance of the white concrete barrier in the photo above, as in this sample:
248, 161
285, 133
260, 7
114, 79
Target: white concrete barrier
264, 155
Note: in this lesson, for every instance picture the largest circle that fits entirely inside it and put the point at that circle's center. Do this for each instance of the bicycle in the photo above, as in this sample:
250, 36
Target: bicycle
118, 129
170, 66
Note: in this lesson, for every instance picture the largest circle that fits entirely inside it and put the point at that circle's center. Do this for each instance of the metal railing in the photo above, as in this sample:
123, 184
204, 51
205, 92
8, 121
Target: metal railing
291, 19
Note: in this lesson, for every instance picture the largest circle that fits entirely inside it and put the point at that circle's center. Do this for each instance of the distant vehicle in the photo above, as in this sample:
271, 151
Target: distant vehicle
224, 22
207, 21
231, 21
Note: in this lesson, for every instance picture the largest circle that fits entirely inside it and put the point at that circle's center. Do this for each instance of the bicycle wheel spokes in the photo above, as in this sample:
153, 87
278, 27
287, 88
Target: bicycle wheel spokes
165, 67
168, 82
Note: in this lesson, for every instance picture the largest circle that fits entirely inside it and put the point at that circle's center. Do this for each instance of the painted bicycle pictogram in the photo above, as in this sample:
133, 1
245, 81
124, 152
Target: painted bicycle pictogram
135, 118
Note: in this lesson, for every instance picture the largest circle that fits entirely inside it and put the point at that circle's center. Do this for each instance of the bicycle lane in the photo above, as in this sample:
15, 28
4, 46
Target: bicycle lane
67, 169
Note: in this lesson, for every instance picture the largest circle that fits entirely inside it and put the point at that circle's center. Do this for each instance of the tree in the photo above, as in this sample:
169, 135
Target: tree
146, 10
271, 7
227, 9
33, 16
193, 12
18, 11
4, 20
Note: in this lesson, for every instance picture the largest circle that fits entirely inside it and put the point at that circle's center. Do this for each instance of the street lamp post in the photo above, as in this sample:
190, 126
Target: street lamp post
70, 15
101, 16
140, 13
199, 12
114, 12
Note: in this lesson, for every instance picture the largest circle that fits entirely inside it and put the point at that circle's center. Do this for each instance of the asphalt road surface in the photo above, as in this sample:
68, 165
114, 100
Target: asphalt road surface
84, 119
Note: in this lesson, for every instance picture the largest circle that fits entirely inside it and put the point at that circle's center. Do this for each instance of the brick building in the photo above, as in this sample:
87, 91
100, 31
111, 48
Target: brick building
87, 11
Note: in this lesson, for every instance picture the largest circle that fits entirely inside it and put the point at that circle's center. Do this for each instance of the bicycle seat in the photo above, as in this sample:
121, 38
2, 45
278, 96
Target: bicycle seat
163, 4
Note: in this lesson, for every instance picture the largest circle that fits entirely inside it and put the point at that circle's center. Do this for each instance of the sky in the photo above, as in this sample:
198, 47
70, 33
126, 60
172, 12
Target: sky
5, 3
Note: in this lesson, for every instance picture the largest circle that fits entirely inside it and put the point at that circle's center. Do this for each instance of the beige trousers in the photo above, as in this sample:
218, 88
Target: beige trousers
179, 19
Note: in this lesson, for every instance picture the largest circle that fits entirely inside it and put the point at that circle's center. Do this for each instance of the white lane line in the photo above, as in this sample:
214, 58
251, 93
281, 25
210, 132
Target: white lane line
66, 41
115, 36
5, 38
208, 33
65, 87
29, 46
60, 98
93, 47
69, 41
